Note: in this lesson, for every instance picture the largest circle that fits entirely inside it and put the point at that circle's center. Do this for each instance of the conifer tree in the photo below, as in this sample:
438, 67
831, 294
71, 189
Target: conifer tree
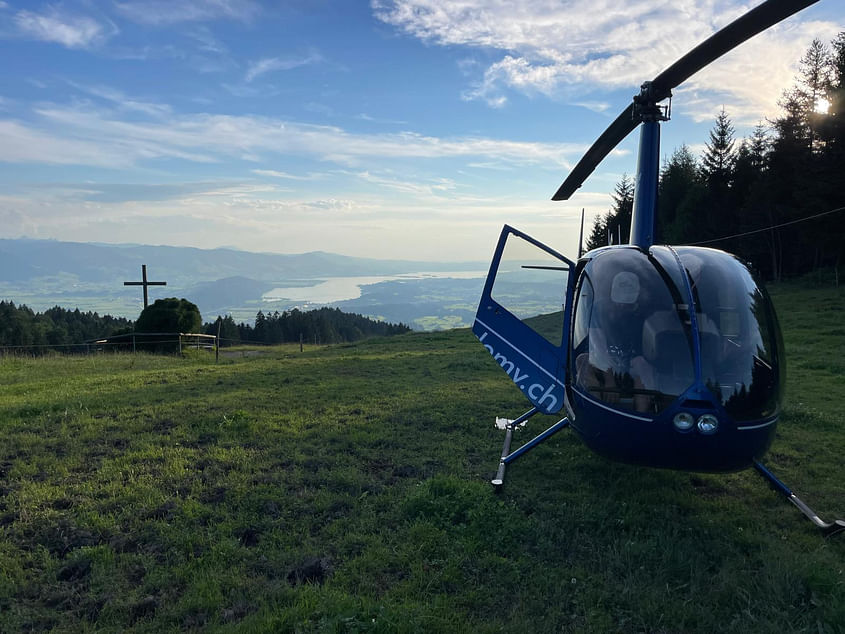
835, 96
598, 234
815, 73
718, 159
679, 176
614, 226
622, 210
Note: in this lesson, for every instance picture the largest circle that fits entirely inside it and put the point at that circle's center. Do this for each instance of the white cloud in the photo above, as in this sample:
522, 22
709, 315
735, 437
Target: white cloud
595, 106
366, 225
248, 92
206, 40
72, 31
576, 34
569, 50
286, 175
272, 64
123, 101
363, 116
330, 204
414, 188
162, 12
23, 144
101, 137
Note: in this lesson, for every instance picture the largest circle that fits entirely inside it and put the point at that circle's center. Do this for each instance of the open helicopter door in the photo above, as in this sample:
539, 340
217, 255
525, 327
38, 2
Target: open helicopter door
523, 321
524, 314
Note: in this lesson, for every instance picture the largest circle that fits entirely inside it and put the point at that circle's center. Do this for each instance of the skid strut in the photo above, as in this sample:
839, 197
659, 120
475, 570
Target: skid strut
508, 456
827, 528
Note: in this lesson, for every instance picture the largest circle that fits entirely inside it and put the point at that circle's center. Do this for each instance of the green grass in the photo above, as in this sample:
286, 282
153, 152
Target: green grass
344, 489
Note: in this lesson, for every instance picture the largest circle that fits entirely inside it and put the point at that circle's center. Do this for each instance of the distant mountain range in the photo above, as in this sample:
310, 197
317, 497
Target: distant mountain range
25, 259
88, 276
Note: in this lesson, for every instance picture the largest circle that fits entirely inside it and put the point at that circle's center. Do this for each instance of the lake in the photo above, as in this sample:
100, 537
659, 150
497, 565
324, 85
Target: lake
338, 289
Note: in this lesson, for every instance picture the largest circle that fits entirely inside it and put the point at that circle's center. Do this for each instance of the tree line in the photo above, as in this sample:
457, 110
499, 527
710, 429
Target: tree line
786, 178
323, 325
57, 327
61, 329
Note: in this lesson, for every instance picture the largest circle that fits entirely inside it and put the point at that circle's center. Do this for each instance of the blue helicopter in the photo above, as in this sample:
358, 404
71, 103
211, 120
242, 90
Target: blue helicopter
661, 356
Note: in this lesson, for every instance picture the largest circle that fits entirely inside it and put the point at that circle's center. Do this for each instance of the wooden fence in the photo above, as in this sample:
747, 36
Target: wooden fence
132, 340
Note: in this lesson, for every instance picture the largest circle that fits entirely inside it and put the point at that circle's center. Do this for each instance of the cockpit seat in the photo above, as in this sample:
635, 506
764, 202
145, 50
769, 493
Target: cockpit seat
666, 349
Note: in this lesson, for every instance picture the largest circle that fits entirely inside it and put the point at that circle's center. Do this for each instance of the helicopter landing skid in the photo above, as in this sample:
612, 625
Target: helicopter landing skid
827, 528
508, 456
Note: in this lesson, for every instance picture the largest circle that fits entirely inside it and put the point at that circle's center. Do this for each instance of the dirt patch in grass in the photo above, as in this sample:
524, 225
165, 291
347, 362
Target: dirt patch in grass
312, 570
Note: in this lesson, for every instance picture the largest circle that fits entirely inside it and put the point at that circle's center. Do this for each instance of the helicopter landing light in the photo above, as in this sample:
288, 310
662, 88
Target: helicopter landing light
683, 421
708, 424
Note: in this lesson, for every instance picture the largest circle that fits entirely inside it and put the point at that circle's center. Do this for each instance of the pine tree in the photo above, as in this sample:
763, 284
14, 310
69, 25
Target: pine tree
623, 207
835, 96
614, 226
259, 332
678, 178
759, 146
718, 160
815, 73
598, 234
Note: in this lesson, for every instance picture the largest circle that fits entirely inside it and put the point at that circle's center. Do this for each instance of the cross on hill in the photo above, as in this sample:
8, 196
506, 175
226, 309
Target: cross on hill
144, 283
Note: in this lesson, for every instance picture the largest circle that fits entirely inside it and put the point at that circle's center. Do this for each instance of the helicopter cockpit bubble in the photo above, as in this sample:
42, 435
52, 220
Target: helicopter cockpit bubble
630, 348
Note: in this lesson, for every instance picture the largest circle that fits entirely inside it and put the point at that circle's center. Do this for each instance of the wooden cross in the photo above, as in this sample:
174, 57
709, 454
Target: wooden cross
144, 283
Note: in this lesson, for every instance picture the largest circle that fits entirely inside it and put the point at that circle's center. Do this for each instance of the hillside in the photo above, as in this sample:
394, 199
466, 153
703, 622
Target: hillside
26, 259
46, 273
344, 489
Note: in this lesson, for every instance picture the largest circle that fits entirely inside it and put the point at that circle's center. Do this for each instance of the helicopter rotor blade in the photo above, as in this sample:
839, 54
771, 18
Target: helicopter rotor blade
743, 28
621, 127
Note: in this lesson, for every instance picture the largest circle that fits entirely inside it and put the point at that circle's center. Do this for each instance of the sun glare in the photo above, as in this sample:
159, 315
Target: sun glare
822, 105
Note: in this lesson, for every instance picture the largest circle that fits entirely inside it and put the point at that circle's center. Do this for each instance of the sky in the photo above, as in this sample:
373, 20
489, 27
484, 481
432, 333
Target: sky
410, 129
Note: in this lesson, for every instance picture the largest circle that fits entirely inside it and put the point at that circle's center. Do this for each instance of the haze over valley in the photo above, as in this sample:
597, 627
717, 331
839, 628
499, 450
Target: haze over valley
424, 295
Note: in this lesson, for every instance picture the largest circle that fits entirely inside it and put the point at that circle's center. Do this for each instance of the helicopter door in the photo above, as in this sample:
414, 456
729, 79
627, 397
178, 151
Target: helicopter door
524, 315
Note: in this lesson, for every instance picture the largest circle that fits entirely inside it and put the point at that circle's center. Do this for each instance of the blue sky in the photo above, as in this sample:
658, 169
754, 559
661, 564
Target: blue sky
393, 128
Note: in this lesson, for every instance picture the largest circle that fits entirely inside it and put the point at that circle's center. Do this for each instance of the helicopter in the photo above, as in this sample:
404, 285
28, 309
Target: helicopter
660, 356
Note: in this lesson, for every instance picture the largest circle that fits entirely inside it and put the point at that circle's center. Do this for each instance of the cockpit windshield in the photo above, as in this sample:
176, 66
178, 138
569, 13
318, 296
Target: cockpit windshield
738, 332
638, 340
631, 346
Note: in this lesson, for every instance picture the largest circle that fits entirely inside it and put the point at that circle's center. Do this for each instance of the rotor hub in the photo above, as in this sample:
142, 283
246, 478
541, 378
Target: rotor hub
646, 106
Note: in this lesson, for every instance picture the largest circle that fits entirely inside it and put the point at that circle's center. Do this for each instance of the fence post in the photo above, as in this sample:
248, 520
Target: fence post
179, 338
217, 340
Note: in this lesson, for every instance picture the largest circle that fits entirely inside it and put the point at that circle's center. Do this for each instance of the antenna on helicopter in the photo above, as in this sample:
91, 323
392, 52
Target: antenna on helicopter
581, 235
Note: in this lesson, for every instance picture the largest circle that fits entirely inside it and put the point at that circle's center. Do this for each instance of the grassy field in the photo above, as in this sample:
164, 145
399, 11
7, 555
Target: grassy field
344, 489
